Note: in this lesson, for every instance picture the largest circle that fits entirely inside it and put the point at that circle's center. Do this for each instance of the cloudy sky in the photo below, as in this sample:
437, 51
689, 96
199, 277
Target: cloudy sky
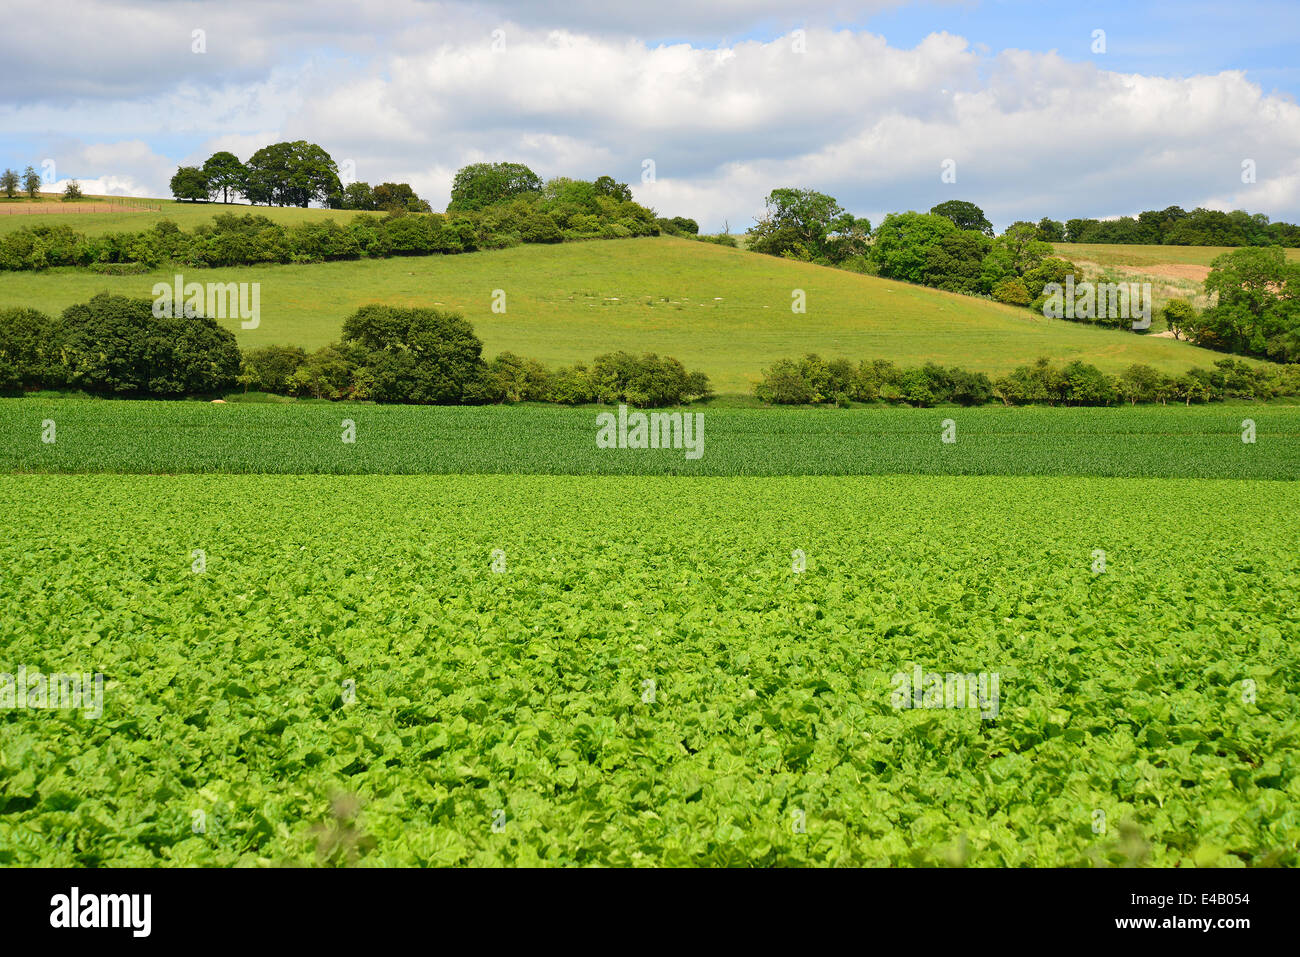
1036, 111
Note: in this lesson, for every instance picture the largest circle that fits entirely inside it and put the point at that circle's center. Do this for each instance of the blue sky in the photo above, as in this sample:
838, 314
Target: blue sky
884, 94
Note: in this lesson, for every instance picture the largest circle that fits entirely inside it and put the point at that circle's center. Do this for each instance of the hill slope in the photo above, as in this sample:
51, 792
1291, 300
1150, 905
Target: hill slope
725, 311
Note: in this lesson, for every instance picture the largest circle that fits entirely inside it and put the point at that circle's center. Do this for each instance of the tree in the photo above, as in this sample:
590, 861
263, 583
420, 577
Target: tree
1012, 291
480, 185
1077, 229
606, 186
1179, 317
1051, 231
31, 182
358, 195
904, 242
9, 183
964, 215
518, 380
1258, 305
291, 174
1140, 383
955, 260
115, 345
398, 196
1015, 254
417, 355
271, 368
806, 224
72, 192
328, 373
189, 183
224, 173
30, 347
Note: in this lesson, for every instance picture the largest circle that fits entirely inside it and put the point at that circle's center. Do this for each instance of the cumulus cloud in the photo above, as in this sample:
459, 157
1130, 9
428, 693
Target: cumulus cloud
844, 111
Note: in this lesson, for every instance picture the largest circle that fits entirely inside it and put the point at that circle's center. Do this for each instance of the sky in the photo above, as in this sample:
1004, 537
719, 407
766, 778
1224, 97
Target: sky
1027, 109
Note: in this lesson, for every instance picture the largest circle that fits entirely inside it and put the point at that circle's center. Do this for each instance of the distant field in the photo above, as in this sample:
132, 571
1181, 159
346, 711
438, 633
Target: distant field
1119, 254
725, 311
184, 215
175, 437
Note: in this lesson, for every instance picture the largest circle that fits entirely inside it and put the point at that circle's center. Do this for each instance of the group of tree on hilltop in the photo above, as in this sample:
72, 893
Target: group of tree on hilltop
288, 174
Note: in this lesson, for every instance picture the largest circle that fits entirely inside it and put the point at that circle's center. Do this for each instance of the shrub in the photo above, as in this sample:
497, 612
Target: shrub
1012, 291
30, 349
514, 379
417, 355
271, 368
114, 345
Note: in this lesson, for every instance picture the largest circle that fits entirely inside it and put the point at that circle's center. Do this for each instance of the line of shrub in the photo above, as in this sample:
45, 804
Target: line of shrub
813, 380
117, 346
233, 240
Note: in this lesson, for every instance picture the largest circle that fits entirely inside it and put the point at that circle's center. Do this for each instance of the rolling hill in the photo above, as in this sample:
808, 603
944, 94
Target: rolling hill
725, 311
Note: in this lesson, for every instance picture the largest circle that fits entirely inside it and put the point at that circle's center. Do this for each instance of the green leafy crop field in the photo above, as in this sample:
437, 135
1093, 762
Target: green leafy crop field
172, 437
632, 670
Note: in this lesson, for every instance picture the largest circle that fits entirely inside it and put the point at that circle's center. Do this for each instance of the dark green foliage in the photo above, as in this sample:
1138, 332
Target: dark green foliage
1257, 307
572, 209
1175, 227
812, 381
290, 174
30, 350
223, 174
114, 345
964, 215
189, 183
271, 368
416, 355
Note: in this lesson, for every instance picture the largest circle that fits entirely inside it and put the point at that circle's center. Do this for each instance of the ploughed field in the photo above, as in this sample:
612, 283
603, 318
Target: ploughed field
622, 670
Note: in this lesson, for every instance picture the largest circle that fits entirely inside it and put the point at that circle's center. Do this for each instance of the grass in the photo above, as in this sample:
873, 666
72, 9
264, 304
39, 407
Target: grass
184, 215
175, 437
724, 311
648, 680
1124, 255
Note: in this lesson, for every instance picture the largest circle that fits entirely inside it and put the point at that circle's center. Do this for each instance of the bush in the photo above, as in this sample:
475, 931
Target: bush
328, 373
30, 350
115, 346
570, 386
647, 381
517, 380
1012, 291
417, 355
271, 368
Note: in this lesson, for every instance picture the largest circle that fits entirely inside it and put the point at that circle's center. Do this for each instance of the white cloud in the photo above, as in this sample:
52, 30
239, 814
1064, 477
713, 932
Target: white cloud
1032, 134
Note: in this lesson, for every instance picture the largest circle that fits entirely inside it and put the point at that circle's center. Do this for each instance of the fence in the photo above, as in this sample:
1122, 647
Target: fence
109, 204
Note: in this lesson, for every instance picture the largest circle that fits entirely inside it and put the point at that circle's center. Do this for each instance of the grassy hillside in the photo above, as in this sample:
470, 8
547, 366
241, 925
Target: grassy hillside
721, 310
110, 217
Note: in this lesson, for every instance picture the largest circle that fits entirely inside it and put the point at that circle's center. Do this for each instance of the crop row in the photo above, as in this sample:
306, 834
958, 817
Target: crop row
67, 435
